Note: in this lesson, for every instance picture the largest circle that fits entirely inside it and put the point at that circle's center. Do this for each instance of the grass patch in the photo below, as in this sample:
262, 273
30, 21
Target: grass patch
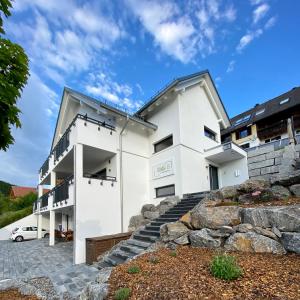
225, 267
154, 260
133, 270
122, 294
173, 253
12, 216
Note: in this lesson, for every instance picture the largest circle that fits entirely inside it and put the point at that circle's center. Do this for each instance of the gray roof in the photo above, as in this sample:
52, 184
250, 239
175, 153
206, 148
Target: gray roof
172, 84
265, 110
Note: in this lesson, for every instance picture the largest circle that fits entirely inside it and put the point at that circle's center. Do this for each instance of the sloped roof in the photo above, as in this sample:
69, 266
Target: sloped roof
20, 191
175, 82
265, 110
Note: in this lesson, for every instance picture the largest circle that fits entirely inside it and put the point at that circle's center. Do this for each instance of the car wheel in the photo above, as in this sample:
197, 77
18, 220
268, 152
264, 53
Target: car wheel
46, 235
19, 238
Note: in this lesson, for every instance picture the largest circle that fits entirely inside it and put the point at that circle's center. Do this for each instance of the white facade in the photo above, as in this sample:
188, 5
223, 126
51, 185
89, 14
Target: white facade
104, 167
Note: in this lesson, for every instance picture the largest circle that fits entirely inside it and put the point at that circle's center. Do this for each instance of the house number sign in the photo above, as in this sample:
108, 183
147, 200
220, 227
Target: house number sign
163, 169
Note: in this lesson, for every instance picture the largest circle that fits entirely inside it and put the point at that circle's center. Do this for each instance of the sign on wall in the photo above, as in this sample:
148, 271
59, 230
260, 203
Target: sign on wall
163, 169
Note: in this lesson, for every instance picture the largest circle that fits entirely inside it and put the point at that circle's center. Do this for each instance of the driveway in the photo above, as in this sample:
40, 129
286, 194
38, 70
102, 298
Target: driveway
31, 259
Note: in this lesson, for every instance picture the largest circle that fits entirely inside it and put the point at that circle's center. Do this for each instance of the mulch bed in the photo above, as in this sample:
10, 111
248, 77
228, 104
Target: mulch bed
14, 294
187, 276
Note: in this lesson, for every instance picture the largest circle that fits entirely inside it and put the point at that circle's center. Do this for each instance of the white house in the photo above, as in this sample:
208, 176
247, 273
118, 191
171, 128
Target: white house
105, 164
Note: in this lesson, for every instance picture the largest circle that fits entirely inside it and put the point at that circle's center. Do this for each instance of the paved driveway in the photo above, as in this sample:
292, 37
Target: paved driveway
36, 258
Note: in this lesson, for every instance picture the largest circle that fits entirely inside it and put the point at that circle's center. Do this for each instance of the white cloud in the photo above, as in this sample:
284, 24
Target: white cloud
248, 38
256, 2
260, 12
231, 66
271, 22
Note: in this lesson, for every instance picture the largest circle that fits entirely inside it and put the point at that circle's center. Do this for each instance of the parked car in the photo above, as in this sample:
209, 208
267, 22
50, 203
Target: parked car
27, 233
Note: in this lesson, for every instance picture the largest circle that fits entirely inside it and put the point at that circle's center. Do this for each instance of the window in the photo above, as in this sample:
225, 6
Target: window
168, 190
276, 138
163, 144
284, 101
260, 112
245, 146
242, 120
209, 133
243, 133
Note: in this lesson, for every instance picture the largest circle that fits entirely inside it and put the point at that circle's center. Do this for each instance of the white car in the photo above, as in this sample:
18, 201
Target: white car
27, 233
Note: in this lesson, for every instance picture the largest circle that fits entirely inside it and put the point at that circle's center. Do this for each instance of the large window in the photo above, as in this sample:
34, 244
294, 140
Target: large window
243, 133
209, 133
163, 144
164, 191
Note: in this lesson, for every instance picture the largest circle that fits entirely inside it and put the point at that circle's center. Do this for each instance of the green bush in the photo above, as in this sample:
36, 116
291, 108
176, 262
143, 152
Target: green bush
122, 294
12, 216
225, 267
23, 202
154, 260
133, 269
173, 253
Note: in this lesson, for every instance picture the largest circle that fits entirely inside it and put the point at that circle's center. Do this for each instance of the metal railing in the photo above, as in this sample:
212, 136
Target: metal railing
44, 199
45, 167
100, 177
35, 205
61, 191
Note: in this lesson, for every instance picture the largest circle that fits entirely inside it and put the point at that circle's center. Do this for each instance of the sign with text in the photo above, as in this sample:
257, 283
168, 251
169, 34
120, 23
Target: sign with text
163, 169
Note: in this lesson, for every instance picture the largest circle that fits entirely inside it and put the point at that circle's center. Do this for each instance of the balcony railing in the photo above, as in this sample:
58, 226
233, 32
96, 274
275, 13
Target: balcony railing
100, 177
45, 167
35, 205
61, 191
44, 199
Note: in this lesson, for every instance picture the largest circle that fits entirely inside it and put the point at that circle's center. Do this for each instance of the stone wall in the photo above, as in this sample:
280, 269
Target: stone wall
270, 161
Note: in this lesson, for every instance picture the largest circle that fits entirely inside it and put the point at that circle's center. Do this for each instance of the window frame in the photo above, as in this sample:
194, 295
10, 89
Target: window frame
165, 186
210, 132
162, 141
238, 133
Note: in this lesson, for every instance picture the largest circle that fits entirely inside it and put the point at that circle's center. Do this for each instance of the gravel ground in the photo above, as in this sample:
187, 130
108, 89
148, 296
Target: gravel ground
187, 276
41, 287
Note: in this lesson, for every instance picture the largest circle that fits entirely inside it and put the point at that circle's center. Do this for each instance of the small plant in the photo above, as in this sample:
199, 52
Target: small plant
154, 260
133, 270
225, 267
173, 253
122, 294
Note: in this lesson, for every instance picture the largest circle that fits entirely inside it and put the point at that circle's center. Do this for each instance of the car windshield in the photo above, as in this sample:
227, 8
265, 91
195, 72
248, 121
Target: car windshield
16, 229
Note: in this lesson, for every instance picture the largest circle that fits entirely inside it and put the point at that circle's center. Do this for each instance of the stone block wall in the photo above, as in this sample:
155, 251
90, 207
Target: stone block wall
268, 161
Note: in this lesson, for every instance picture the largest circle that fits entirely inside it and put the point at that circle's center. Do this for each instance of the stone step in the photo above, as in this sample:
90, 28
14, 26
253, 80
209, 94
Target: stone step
137, 243
104, 264
155, 223
172, 215
132, 249
186, 201
149, 232
184, 206
123, 254
153, 227
166, 220
113, 260
144, 238
176, 211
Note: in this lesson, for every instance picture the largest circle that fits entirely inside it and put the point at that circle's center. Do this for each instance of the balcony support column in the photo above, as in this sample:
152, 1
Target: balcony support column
40, 190
52, 228
53, 179
39, 225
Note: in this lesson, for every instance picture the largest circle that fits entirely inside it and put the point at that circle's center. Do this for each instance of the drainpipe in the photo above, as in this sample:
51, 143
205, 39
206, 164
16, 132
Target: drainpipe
121, 171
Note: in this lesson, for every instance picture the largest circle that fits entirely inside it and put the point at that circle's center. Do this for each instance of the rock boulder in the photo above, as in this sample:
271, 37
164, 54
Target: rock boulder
172, 231
202, 238
291, 241
295, 189
253, 242
253, 185
280, 192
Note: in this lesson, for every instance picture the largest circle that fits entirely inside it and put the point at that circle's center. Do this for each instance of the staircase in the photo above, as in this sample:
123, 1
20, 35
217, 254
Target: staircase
142, 239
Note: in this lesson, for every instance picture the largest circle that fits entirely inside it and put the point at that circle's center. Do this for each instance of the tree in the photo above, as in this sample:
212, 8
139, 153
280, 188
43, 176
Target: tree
14, 73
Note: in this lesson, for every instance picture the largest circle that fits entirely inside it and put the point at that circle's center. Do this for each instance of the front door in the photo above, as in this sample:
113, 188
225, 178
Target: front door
213, 177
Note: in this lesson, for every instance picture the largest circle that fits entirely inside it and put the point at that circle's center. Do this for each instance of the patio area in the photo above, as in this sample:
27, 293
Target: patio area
31, 259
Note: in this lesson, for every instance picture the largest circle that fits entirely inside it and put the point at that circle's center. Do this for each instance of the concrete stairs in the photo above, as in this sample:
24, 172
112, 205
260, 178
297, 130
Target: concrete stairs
142, 239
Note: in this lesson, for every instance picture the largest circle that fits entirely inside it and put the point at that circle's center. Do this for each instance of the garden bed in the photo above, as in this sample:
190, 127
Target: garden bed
186, 275
14, 294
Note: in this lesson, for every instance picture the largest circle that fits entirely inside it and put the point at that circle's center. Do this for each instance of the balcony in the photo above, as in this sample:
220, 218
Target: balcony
224, 153
63, 194
44, 201
35, 208
84, 130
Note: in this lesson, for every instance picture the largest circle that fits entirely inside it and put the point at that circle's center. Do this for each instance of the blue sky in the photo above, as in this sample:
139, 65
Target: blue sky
125, 51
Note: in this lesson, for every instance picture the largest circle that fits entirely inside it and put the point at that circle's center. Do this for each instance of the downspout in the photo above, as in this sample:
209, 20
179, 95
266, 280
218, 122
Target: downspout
121, 171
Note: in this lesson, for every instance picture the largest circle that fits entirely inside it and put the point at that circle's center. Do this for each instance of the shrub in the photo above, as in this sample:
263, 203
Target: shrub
225, 267
12, 216
173, 253
133, 269
154, 260
122, 294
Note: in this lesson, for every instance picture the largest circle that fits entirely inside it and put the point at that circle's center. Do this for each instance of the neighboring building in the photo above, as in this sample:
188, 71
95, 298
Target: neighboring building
266, 122
105, 164
21, 191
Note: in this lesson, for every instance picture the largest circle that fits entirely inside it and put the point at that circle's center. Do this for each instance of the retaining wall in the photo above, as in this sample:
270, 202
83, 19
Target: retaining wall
272, 159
